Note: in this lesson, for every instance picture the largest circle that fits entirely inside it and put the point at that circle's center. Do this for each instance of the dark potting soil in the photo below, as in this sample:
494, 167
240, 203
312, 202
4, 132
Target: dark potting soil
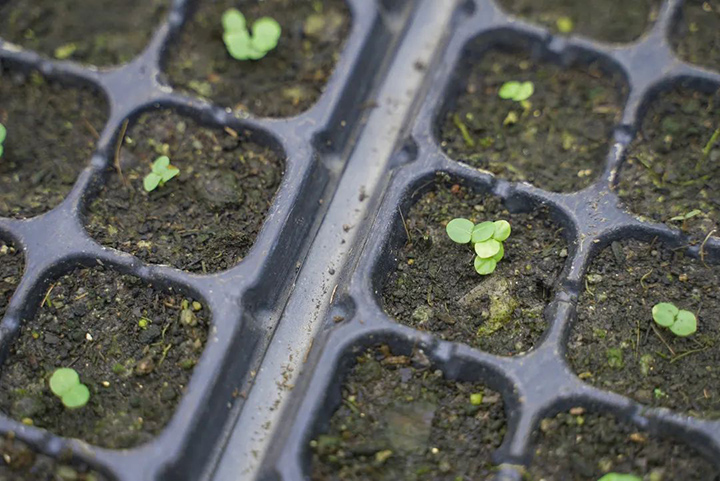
605, 20
400, 418
20, 462
436, 289
205, 219
616, 345
585, 446
287, 81
673, 168
90, 321
51, 134
11, 268
696, 35
98, 32
558, 140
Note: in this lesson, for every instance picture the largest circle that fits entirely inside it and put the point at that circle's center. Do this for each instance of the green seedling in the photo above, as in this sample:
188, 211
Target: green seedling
162, 171
681, 323
684, 217
65, 384
517, 91
619, 477
241, 44
3, 134
486, 238
564, 24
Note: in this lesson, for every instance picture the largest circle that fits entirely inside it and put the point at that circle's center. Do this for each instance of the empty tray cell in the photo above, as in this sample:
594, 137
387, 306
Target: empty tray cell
50, 136
585, 446
400, 418
436, 288
283, 83
133, 345
21, 462
617, 345
605, 20
696, 35
557, 138
672, 171
206, 218
11, 268
98, 32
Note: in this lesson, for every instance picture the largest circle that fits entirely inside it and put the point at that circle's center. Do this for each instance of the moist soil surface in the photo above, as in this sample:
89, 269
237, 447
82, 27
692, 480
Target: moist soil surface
435, 287
557, 140
673, 168
11, 268
605, 20
20, 462
616, 345
287, 81
697, 33
98, 32
90, 321
400, 418
584, 447
203, 220
51, 135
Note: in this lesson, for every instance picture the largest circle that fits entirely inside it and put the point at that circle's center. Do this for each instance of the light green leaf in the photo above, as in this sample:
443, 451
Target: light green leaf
664, 313
238, 44
266, 33
620, 477
693, 213
151, 181
564, 24
685, 324
483, 231
487, 249
234, 21
524, 92
76, 397
169, 173
509, 90
65, 51
502, 230
2, 149
460, 230
160, 164
484, 266
63, 379
501, 253
3, 133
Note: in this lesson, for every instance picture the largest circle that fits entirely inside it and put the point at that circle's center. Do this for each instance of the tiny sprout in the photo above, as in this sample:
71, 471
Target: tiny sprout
487, 239
240, 44
686, 216
65, 384
3, 134
564, 24
476, 399
162, 171
517, 91
143, 323
681, 323
619, 477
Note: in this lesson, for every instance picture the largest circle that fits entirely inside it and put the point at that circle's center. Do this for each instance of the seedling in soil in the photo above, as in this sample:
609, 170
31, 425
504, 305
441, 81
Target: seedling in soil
241, 44
487, 239
681, 323
65, 384
517, 91
619, 477
3, 134
564, 24
162, 171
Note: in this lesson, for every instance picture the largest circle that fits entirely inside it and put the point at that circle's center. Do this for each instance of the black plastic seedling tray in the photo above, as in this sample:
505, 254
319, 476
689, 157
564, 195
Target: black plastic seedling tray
289, 320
